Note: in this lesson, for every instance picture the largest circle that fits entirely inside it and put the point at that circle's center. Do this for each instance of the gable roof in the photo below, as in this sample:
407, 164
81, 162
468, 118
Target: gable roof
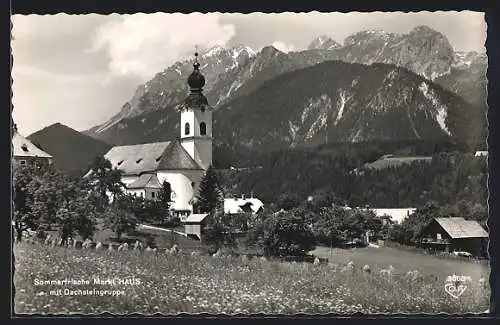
233, 206
461, 228
145, 181
150, 157
176, 157
25, 148
195, 218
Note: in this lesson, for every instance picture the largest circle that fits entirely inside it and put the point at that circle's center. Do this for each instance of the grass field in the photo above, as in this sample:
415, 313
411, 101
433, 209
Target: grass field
172, 284
403, 261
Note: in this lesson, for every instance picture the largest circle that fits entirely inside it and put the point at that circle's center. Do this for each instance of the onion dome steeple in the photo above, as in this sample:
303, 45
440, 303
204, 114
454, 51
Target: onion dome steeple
196, 81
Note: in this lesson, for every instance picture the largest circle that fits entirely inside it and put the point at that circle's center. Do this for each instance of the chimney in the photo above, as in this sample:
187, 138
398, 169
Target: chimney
251, 194
242, 196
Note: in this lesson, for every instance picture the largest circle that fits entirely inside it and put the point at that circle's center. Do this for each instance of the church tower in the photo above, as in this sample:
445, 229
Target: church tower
196, 120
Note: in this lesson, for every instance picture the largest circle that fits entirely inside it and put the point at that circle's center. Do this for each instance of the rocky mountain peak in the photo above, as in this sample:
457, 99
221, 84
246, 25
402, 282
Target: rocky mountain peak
213, 51
370, 36
269, 50
240, 70
324, 43
423, 29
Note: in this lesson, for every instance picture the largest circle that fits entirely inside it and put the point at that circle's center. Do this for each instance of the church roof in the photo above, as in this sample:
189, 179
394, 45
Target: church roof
150, 157
176, 158
145, 181
24, 148
137, 159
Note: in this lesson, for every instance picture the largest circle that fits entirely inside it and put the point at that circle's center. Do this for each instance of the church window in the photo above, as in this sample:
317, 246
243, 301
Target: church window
153, 194
203, 128
186, 129
22, 162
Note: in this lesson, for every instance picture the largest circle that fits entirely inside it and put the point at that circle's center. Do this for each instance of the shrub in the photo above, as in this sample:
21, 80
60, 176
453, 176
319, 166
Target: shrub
287, 234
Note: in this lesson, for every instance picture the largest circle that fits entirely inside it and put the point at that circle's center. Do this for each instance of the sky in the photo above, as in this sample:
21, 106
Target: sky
79, 70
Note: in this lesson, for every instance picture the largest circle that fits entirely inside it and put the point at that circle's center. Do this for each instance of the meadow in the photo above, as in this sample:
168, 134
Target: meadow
186, 283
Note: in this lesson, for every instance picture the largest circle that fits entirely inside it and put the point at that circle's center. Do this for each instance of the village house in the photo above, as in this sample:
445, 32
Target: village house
241, 204
25, 153
481, 154
180, 162
395, 215
454, 234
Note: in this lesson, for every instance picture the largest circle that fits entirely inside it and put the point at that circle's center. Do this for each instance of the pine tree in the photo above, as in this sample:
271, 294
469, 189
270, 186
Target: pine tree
210, 196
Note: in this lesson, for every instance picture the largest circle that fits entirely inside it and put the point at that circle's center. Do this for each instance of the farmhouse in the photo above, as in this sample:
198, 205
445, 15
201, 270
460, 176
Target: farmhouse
26, 153
243, 205
481, 154
180, 162
454, 234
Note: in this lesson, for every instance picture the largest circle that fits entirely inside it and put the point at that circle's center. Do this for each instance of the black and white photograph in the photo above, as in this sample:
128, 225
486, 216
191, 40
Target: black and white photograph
229, 163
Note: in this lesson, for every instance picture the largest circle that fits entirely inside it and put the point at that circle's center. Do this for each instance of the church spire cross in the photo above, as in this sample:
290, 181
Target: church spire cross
196, 64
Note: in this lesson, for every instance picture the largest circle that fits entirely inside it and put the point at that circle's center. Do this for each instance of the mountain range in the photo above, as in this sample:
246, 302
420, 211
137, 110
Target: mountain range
72, 151
375, 85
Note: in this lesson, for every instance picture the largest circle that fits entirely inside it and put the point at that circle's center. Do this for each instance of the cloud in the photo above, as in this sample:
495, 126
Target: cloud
284, 47
143, 45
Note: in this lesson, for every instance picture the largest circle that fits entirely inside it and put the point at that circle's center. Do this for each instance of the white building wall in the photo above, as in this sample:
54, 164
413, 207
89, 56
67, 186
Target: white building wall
180, 183
198, 146
194, 118
137, 192
193, 230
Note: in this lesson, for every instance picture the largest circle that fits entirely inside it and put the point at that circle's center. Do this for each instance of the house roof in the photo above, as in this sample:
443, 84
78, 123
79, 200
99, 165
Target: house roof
150, 157
461, 228
145, 181
25, 148
396, 215
195, 218
233, 206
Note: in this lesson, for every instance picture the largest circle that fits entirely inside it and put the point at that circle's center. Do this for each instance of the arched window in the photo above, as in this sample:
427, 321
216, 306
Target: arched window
186, 129
203, 128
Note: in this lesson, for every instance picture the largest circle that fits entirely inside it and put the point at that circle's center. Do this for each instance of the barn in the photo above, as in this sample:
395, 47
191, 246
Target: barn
194, 223
454, 234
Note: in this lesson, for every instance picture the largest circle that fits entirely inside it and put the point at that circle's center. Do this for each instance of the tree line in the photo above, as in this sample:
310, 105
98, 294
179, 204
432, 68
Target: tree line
448, 178
46, 200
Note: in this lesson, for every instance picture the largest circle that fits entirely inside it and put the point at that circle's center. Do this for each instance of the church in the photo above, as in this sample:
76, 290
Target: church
180, 162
